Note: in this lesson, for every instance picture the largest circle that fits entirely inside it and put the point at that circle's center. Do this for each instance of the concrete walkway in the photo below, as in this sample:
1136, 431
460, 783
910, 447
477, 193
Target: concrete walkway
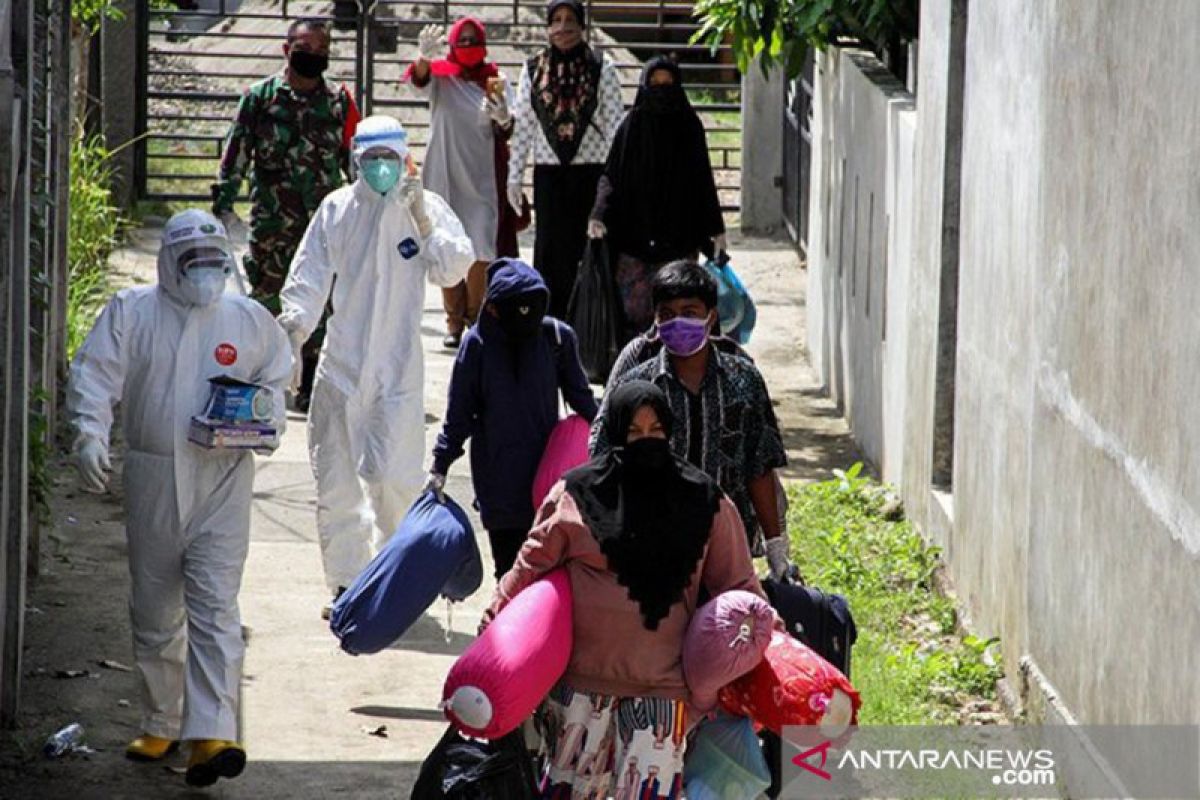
312, 717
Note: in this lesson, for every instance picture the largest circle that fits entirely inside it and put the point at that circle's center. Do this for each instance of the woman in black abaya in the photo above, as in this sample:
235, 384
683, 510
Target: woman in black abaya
657, 200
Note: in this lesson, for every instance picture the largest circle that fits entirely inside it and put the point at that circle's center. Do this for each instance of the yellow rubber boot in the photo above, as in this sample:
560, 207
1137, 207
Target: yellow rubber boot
150, 748
212, 759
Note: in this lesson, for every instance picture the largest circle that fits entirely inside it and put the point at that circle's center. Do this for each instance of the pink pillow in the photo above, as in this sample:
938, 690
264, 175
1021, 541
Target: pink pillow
725, 639
566, 449
506, 672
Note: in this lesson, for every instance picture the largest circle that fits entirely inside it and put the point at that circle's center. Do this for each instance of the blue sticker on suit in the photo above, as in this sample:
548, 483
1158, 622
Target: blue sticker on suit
409, 247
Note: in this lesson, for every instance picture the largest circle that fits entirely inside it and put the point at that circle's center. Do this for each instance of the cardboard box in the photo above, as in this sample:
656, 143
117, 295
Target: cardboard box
215, 433
238, 401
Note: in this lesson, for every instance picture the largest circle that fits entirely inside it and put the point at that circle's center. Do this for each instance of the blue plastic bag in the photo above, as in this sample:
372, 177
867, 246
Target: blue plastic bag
735, 307
433, 553
725, 761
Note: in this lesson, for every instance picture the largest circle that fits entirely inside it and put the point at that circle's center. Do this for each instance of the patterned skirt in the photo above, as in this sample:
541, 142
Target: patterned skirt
596, 747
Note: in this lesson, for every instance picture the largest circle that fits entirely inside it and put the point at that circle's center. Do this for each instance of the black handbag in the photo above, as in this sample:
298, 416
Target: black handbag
459, 768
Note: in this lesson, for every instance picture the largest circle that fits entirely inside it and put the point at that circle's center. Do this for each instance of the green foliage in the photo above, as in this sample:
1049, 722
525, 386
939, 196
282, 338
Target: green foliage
94, 228
782, 31
40, 447
909, 664
90, 13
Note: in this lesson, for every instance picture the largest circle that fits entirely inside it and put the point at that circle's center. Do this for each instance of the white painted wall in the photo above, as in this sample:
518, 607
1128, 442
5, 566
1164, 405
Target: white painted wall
864, 125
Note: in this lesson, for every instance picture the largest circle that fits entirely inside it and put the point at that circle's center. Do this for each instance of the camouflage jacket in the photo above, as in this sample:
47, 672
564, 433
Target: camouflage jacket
295, 146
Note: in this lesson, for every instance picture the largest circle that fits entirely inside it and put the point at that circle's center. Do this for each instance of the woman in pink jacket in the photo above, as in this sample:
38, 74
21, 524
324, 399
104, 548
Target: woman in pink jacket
640, 533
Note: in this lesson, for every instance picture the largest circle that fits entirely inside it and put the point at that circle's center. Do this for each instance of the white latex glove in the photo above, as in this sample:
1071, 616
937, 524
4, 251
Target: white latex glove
296, 339
430, 43
777, 556
412, 194
596, 229
91, 459
234, 227
514, 194
436, 483
496, 107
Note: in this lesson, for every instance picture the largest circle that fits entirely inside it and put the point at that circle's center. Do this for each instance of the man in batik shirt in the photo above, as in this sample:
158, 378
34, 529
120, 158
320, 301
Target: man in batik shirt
291, 136
725, 424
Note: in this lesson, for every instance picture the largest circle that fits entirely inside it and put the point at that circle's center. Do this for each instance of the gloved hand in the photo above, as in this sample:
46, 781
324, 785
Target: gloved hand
777, 556
596, 229
430, 43
436, 483
296, 339
412, 194
514, 194
91, 459
721, 249
234, 227
496, 107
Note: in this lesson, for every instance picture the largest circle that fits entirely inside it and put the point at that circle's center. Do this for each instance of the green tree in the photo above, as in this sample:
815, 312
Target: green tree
782, 31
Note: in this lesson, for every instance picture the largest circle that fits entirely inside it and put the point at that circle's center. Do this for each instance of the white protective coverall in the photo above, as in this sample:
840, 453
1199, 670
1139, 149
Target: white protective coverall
187, 509
366, 421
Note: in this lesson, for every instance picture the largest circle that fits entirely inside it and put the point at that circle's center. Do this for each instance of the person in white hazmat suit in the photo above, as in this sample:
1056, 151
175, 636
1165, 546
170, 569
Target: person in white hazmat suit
381, 238
187, 509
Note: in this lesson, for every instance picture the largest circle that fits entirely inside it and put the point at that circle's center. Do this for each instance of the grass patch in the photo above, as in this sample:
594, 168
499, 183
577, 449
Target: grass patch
910, 665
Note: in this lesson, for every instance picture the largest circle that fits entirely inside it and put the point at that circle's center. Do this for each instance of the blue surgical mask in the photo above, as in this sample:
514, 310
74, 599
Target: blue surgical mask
381, 174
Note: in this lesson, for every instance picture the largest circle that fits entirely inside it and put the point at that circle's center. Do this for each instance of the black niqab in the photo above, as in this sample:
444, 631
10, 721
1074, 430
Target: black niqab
652, 522
664, 202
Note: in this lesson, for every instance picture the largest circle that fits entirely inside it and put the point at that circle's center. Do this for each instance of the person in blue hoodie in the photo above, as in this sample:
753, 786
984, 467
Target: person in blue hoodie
504, 393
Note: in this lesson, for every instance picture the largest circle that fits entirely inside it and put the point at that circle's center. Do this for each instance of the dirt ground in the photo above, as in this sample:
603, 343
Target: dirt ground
317, 723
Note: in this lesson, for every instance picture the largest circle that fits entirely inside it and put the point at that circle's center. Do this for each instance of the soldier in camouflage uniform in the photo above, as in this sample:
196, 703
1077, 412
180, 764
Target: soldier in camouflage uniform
292, 135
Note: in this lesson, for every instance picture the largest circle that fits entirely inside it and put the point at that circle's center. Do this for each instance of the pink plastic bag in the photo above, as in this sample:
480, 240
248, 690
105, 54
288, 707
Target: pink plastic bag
506, 672
725, 639
792, 685
566, 449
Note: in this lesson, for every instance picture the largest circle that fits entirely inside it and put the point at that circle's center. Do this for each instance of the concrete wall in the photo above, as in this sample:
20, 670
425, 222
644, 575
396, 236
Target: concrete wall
1041, 330
762, 151
859, 243
1076, 462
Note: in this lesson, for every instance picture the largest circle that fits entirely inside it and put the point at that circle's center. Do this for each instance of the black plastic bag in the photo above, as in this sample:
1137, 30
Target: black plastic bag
594, 311
467, 769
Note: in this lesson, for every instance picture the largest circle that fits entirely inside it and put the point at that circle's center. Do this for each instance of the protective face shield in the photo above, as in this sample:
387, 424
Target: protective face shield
382, 171
204, 270
195, 258
379, 132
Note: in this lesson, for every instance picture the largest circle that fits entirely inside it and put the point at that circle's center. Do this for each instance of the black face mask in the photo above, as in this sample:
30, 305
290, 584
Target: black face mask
647, 455
521, 316
308, 65
664, 97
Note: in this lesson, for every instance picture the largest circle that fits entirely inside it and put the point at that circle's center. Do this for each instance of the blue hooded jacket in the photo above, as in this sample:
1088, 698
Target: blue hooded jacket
504, 397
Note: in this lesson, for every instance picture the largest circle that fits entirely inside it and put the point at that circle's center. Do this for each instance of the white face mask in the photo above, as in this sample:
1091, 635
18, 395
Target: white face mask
202, 286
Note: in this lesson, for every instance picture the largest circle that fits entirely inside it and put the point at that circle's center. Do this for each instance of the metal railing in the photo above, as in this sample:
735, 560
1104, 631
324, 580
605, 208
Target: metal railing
191, 79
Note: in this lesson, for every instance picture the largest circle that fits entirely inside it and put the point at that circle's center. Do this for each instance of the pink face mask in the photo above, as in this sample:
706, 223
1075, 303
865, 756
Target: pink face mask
683, 336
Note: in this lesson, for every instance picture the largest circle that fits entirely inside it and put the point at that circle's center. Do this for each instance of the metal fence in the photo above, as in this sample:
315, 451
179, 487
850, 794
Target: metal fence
797, 153
195, 64
34, 184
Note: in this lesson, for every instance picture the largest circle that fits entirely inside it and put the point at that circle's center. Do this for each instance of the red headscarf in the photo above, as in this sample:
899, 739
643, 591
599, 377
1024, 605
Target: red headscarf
451, 65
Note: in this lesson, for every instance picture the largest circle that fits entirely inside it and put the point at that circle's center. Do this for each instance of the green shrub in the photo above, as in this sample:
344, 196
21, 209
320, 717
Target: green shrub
94, 228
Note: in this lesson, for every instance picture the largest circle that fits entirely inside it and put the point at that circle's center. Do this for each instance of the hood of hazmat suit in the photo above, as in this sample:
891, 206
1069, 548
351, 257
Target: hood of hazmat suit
368, 401
153, 350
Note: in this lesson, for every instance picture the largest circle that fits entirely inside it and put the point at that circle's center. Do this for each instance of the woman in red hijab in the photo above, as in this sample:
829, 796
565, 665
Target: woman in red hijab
467, 157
